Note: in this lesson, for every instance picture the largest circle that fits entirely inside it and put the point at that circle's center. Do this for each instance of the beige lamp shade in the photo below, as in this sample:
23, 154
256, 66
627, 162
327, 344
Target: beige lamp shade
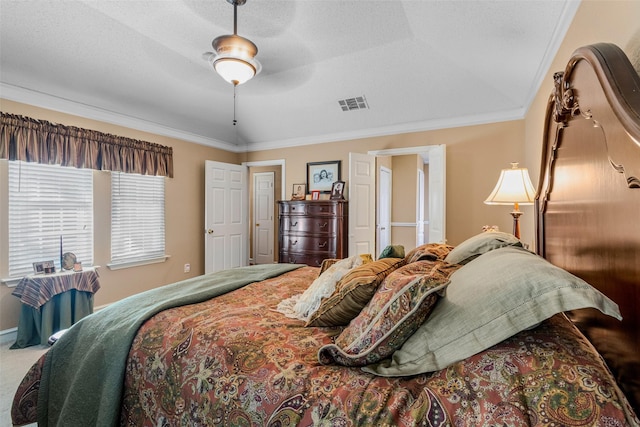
514, 186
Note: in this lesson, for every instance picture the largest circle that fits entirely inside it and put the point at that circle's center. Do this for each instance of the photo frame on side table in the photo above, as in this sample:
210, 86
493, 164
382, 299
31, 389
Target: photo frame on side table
321, 175
315, 194
337, 190
44, 267
299, 192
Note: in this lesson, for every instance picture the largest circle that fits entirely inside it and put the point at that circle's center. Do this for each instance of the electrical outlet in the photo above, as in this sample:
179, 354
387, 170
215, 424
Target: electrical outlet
187, 268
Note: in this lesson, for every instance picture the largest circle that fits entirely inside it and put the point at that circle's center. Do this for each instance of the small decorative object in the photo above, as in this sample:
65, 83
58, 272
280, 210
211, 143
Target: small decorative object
299, 192
321, 175
45, 267
337, 190
490, 228
68, 260
315, 195
77, 266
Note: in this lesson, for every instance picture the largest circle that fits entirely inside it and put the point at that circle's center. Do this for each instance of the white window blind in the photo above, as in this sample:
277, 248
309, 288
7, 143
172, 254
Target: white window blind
137, 218
47, 204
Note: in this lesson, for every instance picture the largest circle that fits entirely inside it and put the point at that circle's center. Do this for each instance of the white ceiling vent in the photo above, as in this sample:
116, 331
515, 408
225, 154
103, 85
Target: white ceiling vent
357, 103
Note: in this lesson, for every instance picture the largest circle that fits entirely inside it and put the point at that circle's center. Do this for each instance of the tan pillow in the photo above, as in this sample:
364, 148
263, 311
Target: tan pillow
428, 251
353, 292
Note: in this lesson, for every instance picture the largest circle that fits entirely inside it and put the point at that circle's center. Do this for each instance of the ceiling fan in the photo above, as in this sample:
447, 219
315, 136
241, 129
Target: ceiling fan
234, 56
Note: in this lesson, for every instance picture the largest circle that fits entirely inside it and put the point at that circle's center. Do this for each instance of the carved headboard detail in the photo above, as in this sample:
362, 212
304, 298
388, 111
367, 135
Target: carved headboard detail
588, 202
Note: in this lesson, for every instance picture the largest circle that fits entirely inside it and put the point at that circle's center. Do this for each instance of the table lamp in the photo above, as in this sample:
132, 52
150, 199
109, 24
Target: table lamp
513, 187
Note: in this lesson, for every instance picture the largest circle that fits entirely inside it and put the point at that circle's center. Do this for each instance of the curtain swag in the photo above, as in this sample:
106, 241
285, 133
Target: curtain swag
32, 140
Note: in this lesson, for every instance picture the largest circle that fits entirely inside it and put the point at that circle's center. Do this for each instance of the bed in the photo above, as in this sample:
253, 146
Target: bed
483, 333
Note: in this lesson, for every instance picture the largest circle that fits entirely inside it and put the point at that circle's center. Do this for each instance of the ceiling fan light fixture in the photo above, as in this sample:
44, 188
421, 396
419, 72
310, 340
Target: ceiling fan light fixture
235, 55
234, 70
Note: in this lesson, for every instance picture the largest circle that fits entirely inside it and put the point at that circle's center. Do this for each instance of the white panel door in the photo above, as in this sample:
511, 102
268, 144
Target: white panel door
226, 217
437, 193
420, 209
384, 209
263, 208
362, 196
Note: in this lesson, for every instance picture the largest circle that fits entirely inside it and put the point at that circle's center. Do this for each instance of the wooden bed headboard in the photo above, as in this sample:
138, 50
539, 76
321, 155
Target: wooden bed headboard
588, 202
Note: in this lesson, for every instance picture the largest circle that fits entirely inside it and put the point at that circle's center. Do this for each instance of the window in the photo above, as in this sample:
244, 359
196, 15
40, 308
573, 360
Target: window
137, 219
50, 212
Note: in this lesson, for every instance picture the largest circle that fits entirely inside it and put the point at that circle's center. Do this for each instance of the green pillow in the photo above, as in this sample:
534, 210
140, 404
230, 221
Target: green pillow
392, 251
481, 243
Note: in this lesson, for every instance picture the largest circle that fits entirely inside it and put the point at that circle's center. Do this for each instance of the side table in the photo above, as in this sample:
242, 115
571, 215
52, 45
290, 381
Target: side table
51, 302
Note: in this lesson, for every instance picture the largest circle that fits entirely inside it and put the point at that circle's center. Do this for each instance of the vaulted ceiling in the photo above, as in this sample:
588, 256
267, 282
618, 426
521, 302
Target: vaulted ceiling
418, 65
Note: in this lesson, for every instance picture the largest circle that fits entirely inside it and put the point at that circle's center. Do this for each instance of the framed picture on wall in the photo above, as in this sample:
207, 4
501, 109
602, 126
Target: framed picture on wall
321, 175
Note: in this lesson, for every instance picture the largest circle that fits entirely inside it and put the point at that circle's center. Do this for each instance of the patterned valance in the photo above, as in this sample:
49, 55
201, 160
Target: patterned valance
32, 140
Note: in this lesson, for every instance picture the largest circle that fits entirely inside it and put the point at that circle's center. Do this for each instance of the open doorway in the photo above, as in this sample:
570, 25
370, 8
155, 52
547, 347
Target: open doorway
263, 242
423, 170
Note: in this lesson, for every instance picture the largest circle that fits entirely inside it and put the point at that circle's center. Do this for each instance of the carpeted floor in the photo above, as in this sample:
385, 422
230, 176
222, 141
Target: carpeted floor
13, 365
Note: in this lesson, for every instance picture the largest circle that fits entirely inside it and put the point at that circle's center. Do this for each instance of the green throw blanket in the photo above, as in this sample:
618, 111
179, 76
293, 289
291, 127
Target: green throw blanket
83, 374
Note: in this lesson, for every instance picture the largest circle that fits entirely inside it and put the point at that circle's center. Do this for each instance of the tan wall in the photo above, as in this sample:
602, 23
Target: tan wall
403, 199
184, 215
595, 21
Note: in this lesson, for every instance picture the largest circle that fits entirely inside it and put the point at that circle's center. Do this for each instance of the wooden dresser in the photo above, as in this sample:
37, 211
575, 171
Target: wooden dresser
312, 230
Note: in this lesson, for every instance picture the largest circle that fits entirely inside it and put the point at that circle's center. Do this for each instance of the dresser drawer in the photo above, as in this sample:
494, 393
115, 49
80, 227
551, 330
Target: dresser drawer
294, 243
307, 225
313, 260
311, 208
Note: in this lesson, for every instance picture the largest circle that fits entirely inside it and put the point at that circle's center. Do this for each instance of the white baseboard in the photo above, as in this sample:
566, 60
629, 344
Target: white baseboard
8, 335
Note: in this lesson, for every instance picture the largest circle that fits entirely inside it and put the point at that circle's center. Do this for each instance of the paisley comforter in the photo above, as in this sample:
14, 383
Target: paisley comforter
233, 360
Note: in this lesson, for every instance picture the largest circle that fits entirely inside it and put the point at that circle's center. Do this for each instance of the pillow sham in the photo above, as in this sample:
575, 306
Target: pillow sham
429, 251
352, 293
481, 243
400, 305
495, 296
392, 251
302, 305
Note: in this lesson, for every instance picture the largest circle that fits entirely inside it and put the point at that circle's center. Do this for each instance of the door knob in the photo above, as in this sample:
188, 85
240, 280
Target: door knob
209, 231
257, 225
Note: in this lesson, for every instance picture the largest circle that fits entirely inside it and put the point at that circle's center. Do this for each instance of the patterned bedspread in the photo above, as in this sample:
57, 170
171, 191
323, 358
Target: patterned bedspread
233, 360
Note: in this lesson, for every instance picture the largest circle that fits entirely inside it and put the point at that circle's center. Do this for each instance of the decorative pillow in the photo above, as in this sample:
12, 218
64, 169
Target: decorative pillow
353, 292
400, 305
392, 251
302, 305
493, 297
475, 246
429, 251
328, 262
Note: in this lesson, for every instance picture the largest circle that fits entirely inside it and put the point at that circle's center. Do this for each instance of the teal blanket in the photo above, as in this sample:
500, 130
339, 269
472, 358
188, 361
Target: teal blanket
83, 373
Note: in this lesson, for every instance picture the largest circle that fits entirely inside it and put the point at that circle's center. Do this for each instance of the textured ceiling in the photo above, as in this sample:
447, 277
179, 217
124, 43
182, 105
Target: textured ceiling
420, 64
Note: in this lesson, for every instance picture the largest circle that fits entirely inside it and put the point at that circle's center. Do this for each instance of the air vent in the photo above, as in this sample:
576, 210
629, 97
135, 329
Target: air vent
357, 103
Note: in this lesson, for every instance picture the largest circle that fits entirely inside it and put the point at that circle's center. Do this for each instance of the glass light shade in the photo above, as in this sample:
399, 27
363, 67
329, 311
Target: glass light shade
514, 186
235, 71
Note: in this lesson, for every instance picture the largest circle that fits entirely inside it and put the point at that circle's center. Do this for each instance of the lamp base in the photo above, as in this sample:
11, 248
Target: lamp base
516, 223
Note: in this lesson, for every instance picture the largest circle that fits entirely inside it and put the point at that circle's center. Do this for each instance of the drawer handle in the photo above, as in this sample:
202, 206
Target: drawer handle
293, 243
322, 245
318, 263
324, 225
293, 224
292, 261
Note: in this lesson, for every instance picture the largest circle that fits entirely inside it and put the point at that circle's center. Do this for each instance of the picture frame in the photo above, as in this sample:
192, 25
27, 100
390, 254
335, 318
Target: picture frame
299, 192
43, 267
315, 194
321, 175
337, 190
